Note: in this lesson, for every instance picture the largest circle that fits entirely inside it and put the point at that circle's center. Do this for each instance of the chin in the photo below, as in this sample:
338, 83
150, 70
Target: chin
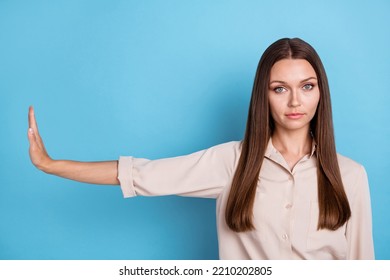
295, 127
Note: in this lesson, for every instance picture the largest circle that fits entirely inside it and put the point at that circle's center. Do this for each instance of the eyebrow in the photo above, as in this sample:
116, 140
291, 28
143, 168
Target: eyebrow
283, 82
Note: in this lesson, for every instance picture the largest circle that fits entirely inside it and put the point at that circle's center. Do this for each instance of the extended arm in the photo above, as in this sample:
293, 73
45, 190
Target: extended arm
104, 172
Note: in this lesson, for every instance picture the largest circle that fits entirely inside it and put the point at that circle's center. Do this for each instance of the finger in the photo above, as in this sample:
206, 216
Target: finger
31, 137
31, 118
34, 149
31, 134
32, 122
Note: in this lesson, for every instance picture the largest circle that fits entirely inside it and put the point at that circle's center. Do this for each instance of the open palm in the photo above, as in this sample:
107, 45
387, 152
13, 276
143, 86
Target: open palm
38, 154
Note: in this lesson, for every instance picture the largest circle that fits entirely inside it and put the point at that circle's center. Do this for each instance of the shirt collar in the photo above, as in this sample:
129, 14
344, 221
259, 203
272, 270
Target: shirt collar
271, 150
313, 147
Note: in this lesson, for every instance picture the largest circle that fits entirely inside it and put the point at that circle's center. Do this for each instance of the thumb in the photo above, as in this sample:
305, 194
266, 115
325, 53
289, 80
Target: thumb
30, 132
31, 136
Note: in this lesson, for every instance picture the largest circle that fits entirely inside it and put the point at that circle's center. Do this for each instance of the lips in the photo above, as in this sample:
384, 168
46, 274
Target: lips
295, 115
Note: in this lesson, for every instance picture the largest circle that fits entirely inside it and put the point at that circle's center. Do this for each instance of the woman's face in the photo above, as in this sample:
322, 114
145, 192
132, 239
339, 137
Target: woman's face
293, 94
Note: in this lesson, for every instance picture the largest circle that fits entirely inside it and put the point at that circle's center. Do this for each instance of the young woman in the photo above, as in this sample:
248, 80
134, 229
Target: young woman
282, 193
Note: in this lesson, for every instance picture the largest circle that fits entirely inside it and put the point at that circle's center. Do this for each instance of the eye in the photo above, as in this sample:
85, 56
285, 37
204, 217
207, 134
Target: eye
308, 87
279, 89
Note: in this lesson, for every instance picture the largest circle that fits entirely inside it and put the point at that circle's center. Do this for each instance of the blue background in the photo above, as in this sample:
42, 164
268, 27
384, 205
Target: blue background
165, 78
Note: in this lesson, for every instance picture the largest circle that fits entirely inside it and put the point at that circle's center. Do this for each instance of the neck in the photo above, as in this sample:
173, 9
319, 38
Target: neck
297, 143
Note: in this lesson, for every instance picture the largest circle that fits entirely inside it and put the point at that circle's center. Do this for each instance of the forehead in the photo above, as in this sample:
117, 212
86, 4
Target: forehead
291, 70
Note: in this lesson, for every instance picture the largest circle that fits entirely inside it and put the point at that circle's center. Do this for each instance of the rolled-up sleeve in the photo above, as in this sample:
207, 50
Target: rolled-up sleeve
359, 227
201, 174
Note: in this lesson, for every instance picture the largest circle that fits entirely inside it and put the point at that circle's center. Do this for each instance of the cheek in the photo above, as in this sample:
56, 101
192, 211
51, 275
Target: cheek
274, 108
276, 102
313, 104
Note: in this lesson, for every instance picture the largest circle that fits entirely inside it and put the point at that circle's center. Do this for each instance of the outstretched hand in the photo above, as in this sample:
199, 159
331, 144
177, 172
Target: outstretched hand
102, 173
38, 154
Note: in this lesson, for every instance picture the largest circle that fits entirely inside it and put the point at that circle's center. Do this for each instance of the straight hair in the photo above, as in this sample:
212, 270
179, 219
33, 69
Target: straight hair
334, 209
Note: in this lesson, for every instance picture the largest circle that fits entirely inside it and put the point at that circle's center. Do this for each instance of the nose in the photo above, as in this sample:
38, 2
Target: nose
294, 99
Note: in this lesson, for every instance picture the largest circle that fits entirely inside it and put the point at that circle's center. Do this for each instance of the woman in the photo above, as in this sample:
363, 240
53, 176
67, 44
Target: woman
282, 193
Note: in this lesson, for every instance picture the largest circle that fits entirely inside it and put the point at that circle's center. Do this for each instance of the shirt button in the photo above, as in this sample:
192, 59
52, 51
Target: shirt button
288, 206
285, 236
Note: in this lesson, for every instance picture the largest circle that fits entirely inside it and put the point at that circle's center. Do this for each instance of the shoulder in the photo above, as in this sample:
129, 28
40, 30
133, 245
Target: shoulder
225, 148
228, 149
227, 153
353, 174
232, 146
347, 164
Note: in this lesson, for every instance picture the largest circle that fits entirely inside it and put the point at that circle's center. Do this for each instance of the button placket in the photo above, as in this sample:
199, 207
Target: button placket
288, 204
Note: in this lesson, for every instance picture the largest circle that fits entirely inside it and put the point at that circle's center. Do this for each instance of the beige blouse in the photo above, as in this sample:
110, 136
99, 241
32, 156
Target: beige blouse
285, 209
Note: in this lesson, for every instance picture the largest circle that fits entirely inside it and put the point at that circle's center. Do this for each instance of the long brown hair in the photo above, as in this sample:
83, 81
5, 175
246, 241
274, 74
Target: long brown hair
334, 208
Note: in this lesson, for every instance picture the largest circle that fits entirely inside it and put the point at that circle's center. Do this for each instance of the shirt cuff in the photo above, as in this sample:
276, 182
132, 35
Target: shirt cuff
125, 176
